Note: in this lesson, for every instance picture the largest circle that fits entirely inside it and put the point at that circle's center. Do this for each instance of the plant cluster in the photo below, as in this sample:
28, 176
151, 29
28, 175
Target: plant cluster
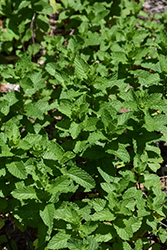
78, 150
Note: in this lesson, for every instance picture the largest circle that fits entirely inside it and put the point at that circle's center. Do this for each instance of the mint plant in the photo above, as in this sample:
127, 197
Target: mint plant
23, 26
79, 155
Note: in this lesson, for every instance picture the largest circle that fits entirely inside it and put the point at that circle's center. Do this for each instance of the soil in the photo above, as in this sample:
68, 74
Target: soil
153, 6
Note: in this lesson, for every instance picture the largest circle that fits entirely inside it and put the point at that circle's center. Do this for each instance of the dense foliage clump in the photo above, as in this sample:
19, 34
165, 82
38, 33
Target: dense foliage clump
79, 140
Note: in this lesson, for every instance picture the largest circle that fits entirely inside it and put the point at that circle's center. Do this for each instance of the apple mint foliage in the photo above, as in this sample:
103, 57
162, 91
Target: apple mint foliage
79, 151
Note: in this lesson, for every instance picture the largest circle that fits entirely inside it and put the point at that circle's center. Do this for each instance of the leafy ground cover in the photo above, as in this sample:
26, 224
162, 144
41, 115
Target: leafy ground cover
80, 162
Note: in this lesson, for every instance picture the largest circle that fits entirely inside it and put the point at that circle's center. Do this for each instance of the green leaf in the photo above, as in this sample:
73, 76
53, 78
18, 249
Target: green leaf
54, 5
118, 57
24, 145
51, 68
151, 180
29, 214
75, 244
75, 129
136, 223
5, 151
89, 124
17, 169
3, 205
88, 228
162, 235
2, 223
98, 204
130, 193
151, 222
68, 213
107, 170
2, 172
91, 242
47, 215
61, 78
42, 234
120, 152
31, 138
54, 151
123, 228
24, 193
103, 215
23, 4
93, 39
159, 197
138, 245
163, 63
59, 184
37, 109
123, 118
82, 178
154, 166
14, 135
79, 146
4, 107
153, 66
121, 245
27, 86
43, 7
126, 246
68, 155
95, 152
80, 68
65, 107
100, 16
150, 80
103, 238
143, 212
139, 35
34, 48
109, 187
95, 137
139, 165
